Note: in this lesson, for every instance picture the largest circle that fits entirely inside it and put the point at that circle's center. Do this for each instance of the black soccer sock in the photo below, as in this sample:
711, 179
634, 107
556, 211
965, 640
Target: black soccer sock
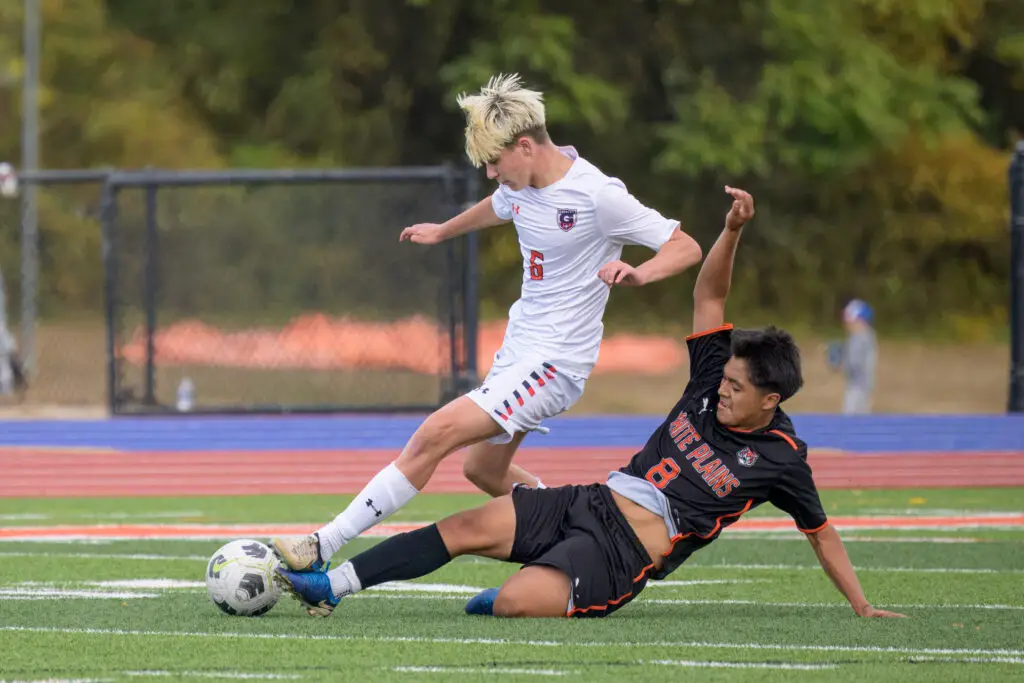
406, 556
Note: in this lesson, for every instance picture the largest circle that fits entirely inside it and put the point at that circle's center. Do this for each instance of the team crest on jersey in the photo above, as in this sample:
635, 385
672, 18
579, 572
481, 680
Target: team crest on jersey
567, 219
747, 457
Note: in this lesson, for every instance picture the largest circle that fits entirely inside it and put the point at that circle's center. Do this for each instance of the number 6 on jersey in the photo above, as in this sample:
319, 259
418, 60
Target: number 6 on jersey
536, 265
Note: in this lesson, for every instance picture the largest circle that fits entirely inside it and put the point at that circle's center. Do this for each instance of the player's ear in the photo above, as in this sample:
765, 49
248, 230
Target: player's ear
525, 144
770, 401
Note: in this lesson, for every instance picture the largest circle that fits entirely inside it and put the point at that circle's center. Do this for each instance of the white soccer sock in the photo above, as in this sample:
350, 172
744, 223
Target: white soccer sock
540, 484
344, 580
388, 491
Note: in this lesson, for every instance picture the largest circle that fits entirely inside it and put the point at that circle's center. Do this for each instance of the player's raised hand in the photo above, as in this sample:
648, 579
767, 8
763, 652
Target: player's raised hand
742, 208
620, 273
873, 613
423, 233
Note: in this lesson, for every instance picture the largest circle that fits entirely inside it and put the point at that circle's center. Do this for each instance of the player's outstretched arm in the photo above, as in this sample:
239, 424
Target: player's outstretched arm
480, 215
715, 276
836, 563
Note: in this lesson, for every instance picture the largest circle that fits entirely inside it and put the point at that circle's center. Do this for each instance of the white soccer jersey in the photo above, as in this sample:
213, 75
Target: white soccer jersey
567, 231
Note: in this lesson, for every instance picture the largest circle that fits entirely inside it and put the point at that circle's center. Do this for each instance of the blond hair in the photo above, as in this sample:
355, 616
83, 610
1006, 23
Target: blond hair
502, 111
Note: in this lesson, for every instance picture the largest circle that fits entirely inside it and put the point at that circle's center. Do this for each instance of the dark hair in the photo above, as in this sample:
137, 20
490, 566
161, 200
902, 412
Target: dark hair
773, 360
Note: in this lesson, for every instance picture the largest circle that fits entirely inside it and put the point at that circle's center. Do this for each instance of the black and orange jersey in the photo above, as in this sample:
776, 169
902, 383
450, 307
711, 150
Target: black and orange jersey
711, 474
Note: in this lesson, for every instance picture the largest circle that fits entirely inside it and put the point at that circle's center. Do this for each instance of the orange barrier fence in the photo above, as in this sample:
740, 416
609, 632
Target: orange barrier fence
317, 341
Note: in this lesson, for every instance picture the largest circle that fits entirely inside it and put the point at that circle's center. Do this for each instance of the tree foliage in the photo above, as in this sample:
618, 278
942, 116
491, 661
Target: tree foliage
874, 133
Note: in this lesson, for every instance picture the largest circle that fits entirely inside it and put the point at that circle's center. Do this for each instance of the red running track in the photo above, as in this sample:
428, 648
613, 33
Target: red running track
40, 472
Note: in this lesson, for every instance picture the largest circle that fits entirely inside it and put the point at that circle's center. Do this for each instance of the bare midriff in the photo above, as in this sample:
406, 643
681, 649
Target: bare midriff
648, 527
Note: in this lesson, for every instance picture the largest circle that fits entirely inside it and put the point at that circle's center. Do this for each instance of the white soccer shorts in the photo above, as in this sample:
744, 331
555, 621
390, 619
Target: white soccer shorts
520, 393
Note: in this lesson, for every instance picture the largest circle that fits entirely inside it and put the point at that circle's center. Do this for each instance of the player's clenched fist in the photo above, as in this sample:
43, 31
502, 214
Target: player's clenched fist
423, 233
742, 208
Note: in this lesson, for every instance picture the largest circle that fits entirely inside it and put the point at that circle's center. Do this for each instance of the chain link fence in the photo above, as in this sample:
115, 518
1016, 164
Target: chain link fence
284, 291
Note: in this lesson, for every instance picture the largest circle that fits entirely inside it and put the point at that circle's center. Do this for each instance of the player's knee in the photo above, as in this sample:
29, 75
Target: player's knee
458, 424
517, 602
483, 475
511, 603
435, 438
534, 592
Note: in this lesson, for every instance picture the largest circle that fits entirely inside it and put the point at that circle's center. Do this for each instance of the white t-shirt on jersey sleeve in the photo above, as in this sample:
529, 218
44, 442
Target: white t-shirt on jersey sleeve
567, 231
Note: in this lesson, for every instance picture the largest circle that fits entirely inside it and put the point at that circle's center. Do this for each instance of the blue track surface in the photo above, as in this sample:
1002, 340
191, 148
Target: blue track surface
895, 433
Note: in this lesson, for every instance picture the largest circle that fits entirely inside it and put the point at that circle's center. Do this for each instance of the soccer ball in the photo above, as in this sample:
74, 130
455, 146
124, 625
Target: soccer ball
240, 578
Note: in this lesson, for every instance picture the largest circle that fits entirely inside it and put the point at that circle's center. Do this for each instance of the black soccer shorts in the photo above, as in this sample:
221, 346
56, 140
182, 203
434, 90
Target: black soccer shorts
581, 531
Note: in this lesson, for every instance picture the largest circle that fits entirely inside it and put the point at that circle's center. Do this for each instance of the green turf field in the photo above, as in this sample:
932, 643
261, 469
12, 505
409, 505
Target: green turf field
750, 606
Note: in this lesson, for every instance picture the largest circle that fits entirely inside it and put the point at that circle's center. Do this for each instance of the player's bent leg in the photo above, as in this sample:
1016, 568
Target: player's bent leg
458, 424
534, 591
489, 467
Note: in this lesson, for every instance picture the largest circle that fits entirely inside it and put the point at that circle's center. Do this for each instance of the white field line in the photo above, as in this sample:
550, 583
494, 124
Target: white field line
146, 584
699, 664
491, 642
109, 556
236, 675
968, 660
478, 670
28, 593
442, 588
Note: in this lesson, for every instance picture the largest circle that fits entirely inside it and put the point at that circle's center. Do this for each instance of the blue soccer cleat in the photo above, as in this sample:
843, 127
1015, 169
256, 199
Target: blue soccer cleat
482, 603
312, 589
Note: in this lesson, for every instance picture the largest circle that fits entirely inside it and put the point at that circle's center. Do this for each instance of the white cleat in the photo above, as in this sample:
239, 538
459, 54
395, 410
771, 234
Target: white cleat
299, 553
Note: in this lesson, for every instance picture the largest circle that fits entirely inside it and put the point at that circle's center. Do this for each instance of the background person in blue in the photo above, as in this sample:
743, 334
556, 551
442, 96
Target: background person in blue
857, 357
